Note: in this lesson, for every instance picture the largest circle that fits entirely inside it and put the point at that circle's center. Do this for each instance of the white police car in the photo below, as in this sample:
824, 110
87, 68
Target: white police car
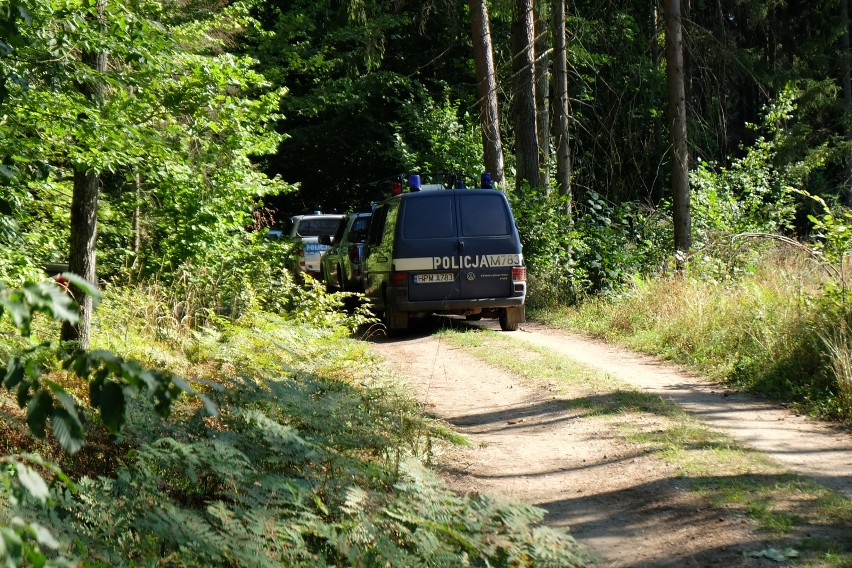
305, 230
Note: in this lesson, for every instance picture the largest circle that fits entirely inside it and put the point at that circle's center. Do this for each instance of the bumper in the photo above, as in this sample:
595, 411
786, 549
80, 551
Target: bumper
402, 304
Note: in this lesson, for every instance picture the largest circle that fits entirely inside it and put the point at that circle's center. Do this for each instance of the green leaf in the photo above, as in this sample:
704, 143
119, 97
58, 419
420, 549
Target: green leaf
44, 537
211, 407
87, 287
11, 545
20, 312
68, 430
32, 481
183, 385
112, 406
14, 373
38, 409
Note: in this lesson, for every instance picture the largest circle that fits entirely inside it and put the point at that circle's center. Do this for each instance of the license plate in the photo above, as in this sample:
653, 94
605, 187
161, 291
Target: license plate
433, 278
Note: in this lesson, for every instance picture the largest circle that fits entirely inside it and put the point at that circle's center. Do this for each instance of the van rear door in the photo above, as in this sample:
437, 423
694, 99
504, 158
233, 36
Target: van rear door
427, 245
488, 245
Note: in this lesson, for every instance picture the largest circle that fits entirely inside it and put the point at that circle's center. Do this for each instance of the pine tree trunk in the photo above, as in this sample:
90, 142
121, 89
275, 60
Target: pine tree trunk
486, 89
561, 106
677, 125
847, 97
523, 95
542, 91
84, 213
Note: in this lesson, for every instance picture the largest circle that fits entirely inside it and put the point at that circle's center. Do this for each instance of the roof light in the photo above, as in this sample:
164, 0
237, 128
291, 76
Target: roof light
485, 181
396, 188
414, 182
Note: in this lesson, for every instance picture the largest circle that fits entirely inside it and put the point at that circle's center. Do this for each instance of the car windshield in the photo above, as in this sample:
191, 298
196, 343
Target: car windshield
318, 226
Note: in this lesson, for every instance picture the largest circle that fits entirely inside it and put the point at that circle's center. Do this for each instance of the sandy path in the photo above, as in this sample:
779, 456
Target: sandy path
814, 449
626, 505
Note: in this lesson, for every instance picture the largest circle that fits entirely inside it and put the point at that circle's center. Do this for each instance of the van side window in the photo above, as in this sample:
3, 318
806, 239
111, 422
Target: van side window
484, 216
377, 225
429, 218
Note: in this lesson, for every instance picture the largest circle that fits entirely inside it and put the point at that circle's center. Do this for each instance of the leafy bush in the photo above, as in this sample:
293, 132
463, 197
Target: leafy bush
312, 461
596, 249
756, 193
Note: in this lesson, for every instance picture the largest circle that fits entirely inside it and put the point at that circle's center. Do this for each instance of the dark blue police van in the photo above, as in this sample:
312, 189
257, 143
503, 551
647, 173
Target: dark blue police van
446, 251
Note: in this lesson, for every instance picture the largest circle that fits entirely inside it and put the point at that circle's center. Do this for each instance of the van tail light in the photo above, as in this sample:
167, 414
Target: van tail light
353, 255
399, 279
519, 277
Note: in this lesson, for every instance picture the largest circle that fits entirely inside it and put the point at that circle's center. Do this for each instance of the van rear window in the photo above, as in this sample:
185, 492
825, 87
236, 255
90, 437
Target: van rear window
429, 218
484, 216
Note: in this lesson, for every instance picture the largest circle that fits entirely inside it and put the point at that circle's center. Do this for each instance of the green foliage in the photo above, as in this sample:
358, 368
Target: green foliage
595, 250
545, 231
436, 137
310, 462
756, 193
24, 542
111, 378
173, 138
616, 241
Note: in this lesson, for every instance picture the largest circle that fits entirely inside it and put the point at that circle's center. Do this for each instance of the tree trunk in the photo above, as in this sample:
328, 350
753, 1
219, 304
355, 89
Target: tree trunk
847, 97
561, 105
84, 212
542, 91
137, 222
677, 126
486, 89
523, 95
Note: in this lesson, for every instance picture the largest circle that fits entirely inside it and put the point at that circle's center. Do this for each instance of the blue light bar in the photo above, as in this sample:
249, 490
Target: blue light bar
485, 181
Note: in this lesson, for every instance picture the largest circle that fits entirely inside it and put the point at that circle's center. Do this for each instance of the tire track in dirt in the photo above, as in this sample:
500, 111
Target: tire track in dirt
625, 504
817, 450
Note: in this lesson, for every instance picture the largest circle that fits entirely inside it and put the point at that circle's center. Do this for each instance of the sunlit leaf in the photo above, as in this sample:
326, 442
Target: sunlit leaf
33, 482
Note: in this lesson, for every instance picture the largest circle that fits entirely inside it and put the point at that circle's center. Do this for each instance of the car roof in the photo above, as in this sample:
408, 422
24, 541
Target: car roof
319, 216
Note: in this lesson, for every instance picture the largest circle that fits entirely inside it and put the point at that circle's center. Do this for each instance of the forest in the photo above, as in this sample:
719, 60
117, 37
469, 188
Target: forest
680, 173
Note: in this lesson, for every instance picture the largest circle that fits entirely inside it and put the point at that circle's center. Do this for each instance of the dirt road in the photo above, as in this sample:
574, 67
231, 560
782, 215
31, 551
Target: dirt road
627, 505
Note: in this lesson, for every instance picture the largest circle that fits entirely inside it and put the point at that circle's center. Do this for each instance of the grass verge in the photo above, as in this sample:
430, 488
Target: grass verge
778, 330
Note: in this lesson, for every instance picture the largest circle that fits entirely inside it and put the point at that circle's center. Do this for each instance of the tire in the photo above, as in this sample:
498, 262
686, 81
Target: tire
511, 318
395, 320
340, 285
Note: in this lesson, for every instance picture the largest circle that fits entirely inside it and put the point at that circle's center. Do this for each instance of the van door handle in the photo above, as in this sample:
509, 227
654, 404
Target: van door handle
460, 246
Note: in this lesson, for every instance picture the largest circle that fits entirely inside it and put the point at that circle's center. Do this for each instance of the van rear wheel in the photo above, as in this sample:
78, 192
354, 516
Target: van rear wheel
395, 320
511, 318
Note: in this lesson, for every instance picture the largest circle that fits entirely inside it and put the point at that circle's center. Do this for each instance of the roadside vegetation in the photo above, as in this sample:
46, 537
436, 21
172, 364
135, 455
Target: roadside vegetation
312, 456
808, 523
753, 304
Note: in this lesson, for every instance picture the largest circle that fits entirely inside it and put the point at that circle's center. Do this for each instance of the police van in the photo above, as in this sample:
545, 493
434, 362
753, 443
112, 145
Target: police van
446, 251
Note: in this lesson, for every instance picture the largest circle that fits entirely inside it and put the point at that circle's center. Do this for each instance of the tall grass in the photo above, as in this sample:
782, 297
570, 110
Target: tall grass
770, 329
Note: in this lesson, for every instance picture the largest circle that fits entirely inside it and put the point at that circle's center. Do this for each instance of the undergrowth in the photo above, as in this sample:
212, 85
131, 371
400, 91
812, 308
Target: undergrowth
315, 459
762, 329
